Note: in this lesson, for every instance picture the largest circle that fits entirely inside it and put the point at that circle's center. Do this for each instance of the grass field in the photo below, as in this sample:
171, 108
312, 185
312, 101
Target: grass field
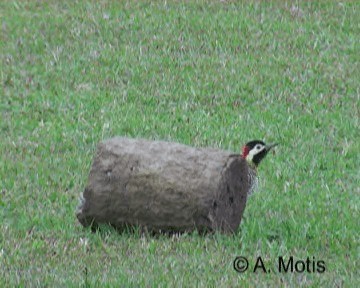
207, 74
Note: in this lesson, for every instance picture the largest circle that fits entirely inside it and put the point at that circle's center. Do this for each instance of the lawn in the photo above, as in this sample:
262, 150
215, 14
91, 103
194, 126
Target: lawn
202, 73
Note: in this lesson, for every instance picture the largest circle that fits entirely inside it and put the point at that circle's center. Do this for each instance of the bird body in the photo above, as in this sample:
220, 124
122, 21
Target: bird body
253, 180
254, 152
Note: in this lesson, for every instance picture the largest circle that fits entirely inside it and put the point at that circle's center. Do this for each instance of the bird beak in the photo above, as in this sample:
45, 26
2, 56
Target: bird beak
270, 146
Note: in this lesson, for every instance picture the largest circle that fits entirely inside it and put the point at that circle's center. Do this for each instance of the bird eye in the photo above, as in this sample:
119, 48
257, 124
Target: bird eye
258, 147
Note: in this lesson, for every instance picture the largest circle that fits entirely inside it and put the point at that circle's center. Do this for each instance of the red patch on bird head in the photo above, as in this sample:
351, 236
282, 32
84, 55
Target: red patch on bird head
245, 151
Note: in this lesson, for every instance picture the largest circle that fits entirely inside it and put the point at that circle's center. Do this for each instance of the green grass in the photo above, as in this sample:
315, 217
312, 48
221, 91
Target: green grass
203, 73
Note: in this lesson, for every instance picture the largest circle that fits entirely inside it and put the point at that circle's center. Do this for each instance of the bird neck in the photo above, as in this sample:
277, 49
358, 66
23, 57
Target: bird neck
252, 165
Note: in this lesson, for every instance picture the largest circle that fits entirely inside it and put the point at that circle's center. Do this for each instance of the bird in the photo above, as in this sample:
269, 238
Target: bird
254, 152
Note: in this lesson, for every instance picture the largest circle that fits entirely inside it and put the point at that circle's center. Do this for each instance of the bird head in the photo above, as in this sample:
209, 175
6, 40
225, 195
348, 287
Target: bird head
255, 151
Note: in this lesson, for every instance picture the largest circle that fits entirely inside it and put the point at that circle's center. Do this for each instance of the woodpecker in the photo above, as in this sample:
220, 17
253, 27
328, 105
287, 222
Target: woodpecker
254, 152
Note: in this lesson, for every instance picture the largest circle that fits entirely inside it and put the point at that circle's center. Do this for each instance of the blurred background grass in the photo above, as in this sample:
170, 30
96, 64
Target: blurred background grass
203, 73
